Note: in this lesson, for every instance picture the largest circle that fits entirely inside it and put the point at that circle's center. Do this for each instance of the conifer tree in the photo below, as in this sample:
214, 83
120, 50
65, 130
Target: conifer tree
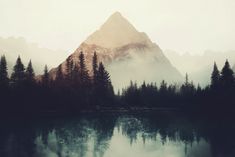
75, 75
84, 76
45, 77
186, 80
18, 74
215, 77
103, 76
163, 87
4, 80
103, 81
30, 73
59, 74
227, 78
143, 85
95, 67
69, 69
187, 88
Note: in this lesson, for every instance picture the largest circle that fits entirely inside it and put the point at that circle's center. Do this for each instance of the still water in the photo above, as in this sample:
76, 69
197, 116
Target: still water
118, 135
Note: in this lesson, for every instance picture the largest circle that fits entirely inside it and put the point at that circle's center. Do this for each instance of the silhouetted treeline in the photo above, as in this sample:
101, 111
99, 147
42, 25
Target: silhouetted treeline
219, 95
73, 88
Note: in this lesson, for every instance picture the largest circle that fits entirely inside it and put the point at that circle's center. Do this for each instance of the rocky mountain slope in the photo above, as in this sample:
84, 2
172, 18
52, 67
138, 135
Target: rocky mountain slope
127, 54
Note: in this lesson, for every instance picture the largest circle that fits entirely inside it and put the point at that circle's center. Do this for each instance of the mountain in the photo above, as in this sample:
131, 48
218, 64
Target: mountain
13, 47
117, 32
127, 54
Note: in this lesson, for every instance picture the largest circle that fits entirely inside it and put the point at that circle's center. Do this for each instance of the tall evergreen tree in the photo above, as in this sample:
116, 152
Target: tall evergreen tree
75, 75
59, 74
45, 77
187, 88
103, 76
215, 77
30, 73
95, 67
103, 80
163, 87
4, 80
18, 74
227, 78
186, 80
84, 75
69, 69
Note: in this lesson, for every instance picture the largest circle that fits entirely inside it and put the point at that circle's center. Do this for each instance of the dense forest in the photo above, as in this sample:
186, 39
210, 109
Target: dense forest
78, 89
70, 91
218, 96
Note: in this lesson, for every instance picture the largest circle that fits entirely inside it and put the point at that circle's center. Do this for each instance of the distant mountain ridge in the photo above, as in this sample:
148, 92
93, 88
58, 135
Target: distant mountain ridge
12, 47
199, 67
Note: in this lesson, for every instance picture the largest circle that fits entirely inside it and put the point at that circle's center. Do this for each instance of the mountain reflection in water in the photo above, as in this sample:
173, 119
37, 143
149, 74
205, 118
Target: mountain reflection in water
118, 135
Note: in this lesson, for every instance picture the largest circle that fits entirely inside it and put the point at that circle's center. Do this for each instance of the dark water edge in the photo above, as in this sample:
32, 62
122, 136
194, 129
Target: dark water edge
19, 132
222, 114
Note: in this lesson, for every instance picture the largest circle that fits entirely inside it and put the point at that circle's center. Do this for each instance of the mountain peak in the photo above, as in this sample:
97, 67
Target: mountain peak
117, 31
116, 15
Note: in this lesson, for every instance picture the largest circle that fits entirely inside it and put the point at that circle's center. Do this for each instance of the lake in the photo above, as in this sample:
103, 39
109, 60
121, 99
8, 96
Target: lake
164, 134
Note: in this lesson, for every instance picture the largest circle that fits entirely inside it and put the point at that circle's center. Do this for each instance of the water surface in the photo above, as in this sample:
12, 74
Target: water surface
117, 135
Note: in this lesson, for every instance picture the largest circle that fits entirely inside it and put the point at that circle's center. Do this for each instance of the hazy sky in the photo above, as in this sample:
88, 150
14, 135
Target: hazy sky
181, 25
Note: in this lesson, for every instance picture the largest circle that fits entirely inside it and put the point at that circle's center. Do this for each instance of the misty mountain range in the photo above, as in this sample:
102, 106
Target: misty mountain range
127, 54
199, 67
12, 47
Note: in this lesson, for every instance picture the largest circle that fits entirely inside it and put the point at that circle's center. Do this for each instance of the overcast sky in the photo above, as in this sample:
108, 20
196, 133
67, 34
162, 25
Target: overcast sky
181, 25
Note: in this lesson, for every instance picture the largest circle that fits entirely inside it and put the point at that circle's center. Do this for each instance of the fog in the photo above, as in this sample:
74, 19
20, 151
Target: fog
59, 27
142, 66
182, 25
199, 67
13, 47
137, 67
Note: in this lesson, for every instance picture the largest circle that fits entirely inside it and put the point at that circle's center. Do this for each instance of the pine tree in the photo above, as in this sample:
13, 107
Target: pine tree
187, 88
84, 76
75, 75
45, 77
30, 73
103, 81
227, 78
215, 77
186, 80
4, 80
18, 74
69, 69
163, 87
95, 67
59, 74
143, 85
103, 76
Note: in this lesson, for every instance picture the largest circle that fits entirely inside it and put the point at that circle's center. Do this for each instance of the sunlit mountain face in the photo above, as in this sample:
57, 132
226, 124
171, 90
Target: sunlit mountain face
127, 53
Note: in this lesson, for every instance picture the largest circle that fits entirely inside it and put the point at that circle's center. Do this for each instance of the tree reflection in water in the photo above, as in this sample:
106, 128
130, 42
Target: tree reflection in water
115, 135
